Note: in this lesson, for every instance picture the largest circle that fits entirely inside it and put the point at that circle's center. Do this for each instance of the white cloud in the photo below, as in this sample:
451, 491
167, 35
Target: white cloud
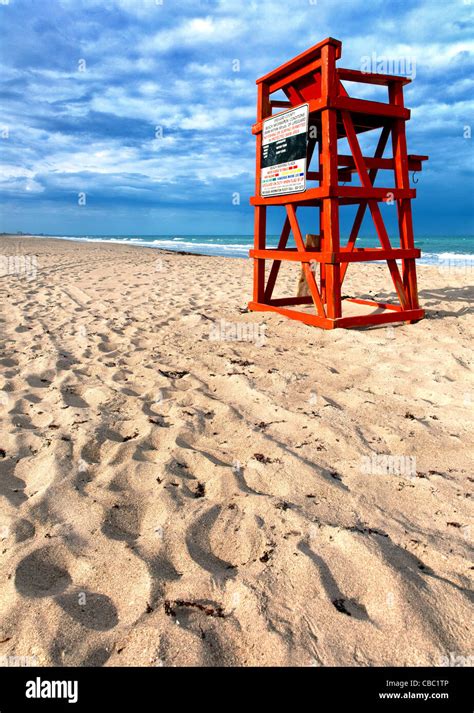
194, 32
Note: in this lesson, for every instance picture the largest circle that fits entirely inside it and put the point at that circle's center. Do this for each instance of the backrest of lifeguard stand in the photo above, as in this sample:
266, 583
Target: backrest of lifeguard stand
301, 79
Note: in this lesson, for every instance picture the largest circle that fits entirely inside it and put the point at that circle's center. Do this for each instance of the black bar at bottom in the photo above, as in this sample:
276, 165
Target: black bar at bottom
151, 689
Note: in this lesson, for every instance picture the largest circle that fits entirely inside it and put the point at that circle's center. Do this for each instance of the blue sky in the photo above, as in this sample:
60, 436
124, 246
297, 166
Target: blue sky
137, 105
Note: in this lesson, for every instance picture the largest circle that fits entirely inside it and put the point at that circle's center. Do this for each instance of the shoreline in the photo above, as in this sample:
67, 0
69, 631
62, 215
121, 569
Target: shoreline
463, 259
86, 241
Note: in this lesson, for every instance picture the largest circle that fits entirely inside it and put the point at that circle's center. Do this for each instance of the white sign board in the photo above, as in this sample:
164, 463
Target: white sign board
284, 145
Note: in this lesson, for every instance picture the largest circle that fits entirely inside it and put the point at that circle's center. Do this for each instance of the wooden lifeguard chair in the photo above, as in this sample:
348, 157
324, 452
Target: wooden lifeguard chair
312, 80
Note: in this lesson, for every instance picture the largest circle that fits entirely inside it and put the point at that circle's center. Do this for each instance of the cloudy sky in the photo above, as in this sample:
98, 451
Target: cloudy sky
145, 107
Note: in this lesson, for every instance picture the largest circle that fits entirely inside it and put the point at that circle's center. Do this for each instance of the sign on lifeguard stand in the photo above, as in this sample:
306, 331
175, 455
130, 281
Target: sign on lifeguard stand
317, 113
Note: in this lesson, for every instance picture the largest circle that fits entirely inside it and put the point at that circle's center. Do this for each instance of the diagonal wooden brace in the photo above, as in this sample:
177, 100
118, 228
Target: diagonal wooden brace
275, 268
373, 206
382, 143
308, 273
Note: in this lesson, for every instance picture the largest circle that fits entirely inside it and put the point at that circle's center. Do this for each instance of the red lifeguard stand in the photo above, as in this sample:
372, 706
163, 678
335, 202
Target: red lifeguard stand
313, 80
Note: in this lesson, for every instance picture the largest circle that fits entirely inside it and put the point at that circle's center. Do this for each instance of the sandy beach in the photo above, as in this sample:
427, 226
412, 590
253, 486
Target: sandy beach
186, 483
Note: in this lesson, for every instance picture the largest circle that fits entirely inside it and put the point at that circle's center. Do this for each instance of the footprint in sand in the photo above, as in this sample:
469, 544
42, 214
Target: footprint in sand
23, 530
237, 537
39, 381
71, 398
7, 361
12, 384
90, 452
43, 573
96, 657
122, 522
92, 610
199, 545
11, 487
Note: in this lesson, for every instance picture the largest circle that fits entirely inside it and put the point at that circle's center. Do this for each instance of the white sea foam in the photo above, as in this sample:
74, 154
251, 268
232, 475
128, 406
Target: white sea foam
215, 245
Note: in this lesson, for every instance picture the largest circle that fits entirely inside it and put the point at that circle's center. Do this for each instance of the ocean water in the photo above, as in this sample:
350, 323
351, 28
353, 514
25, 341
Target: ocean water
435, 249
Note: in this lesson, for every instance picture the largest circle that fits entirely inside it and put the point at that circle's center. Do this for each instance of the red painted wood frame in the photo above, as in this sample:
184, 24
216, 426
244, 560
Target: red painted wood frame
313, 78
